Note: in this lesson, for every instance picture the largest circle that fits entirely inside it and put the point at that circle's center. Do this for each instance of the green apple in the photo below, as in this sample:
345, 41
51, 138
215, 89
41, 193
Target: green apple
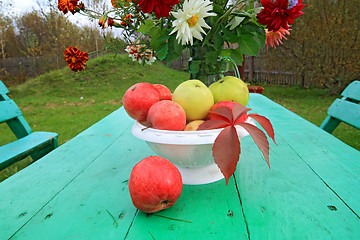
230, 88
195, 98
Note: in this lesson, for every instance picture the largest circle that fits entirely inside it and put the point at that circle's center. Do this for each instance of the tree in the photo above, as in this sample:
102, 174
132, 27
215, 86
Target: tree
325, 44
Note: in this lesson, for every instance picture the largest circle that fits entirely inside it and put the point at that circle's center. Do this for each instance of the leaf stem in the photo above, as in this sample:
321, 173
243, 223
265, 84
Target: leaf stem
175, 219
115, 222
220, 19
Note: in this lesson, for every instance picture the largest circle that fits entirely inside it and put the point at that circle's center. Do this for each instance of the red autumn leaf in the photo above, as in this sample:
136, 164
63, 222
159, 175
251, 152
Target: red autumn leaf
212, 124
238, 110
259, 138
226, 151
224, 112
265, 123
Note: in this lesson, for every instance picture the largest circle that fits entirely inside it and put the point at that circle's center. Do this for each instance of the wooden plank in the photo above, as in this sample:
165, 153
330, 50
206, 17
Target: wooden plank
14, 151
302, 196
9, 110
19, 127
290, 201
214, 210
52, 174
346, 111
337, 163
352, 91
329, 124
3, 90
86, 206
103, 187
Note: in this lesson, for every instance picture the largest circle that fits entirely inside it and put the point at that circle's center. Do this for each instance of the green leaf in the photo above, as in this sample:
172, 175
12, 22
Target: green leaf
162, 51
235, 21
237, 56
158, 38
248, 45
225, 53
174, 50
218, 41
230, 36
146, 26
194, 67
218, 9
211, 56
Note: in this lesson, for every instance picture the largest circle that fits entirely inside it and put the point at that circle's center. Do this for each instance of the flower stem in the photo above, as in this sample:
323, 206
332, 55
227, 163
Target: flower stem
221, 19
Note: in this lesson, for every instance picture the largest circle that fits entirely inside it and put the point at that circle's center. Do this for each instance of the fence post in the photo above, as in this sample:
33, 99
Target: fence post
251, 69
242, 69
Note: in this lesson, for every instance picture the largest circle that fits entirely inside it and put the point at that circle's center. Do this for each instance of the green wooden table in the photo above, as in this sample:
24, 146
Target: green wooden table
79, 191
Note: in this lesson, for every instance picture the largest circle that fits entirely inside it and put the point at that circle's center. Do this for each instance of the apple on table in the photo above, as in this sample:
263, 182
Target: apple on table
155, 184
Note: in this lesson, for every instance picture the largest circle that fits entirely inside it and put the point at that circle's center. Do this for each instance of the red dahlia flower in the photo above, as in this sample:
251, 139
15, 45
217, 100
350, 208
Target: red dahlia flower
68, 6
161, 8
277, 14
75, 58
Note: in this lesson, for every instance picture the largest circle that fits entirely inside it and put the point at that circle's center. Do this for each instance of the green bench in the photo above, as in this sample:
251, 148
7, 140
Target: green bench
346, 109
28, 143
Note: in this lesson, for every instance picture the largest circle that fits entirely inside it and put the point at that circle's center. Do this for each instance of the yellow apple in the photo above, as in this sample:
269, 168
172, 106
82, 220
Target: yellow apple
193, 125
230, 88
195, 98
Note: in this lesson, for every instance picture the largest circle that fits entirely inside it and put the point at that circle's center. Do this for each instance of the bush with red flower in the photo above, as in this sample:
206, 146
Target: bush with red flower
164, 28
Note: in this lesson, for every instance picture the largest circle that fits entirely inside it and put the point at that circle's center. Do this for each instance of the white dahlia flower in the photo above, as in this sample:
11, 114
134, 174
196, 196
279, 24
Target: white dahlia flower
190, 21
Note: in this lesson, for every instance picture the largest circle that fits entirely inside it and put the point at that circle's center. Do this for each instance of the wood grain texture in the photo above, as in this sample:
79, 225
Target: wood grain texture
26, 193
79, 191
214, 212
24, 147
313, 184
9, 110
346, 111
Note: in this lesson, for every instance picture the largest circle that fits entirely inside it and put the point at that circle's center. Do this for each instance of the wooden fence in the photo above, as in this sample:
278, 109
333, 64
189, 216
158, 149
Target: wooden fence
258, 70
29, 66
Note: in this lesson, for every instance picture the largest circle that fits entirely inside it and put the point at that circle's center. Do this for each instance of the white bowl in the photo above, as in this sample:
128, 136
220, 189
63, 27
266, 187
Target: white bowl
189, 151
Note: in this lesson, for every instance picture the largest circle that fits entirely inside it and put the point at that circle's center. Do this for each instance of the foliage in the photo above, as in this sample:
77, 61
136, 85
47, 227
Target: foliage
325, 45
46, 32
150, 25
41, 36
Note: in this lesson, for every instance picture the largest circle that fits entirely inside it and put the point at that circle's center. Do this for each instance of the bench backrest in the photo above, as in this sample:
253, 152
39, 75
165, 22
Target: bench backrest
346, 109
11, 114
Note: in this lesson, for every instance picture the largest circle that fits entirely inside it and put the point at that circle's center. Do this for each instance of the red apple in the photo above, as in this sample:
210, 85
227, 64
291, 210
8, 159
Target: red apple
167, 115
155, 184
138, 99
228, 104
165, 93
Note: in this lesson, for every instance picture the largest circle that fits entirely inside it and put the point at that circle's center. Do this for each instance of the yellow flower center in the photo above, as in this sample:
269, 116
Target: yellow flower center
193, 20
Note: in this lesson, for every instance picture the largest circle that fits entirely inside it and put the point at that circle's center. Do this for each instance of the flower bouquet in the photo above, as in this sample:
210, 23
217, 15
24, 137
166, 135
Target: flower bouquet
212, 33
207, 30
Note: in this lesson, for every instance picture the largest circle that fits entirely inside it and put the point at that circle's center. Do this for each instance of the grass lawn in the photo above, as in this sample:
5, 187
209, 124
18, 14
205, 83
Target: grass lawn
66, 102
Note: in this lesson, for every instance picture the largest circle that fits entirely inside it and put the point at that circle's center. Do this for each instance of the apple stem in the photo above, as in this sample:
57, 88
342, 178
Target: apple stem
143, 129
